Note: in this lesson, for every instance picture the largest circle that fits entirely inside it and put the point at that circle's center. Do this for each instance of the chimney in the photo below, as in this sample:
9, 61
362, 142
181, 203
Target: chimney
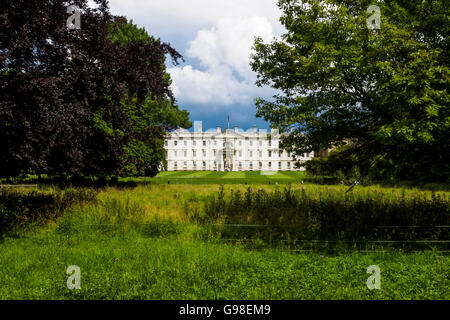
255, 129
219, 129
236, 128
198, 126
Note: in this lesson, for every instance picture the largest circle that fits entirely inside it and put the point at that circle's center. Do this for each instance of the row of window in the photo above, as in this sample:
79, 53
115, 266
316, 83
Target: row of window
194, 153
230, 144
194, 163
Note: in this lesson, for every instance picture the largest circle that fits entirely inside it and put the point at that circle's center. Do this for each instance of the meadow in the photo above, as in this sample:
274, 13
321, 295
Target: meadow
233, 241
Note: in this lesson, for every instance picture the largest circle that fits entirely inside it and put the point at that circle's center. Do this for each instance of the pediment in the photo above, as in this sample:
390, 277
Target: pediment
227, 135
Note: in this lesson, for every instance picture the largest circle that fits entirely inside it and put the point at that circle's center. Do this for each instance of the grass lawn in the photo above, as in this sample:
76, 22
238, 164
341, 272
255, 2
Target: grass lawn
120, 268
141, 243
234, 177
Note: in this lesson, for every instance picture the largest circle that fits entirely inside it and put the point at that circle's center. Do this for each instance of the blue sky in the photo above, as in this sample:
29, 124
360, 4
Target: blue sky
215, 38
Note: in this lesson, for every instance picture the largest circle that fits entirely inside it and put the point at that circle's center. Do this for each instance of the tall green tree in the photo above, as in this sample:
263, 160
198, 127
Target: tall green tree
385, 89
149, 117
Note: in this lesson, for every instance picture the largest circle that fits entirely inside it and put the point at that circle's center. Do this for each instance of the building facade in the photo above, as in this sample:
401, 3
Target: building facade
227, 150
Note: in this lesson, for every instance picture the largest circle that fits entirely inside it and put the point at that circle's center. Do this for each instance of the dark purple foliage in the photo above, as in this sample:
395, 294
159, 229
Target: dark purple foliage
53, 80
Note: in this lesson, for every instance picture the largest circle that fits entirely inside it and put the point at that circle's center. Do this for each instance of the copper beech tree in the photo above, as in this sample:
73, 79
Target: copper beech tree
93, 101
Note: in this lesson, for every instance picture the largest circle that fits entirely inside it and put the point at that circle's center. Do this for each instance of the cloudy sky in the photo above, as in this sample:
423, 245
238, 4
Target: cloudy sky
215, 37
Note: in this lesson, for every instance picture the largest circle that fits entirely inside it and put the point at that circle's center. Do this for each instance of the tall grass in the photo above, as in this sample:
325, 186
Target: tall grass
22, 208
329, 214
149, 242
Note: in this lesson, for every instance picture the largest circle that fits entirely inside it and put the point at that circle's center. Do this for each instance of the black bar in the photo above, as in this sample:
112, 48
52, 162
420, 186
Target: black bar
238, 309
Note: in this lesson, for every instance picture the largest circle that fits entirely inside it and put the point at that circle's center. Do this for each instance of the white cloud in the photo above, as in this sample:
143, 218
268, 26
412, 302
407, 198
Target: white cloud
216, 37
230, 43
224, 52
217, 87
181, 16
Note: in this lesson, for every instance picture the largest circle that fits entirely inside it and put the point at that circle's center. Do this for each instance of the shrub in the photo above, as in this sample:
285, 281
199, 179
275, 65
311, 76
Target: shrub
22, 208
161, 228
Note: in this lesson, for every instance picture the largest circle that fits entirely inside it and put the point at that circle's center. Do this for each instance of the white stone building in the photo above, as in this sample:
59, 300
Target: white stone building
227, 150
